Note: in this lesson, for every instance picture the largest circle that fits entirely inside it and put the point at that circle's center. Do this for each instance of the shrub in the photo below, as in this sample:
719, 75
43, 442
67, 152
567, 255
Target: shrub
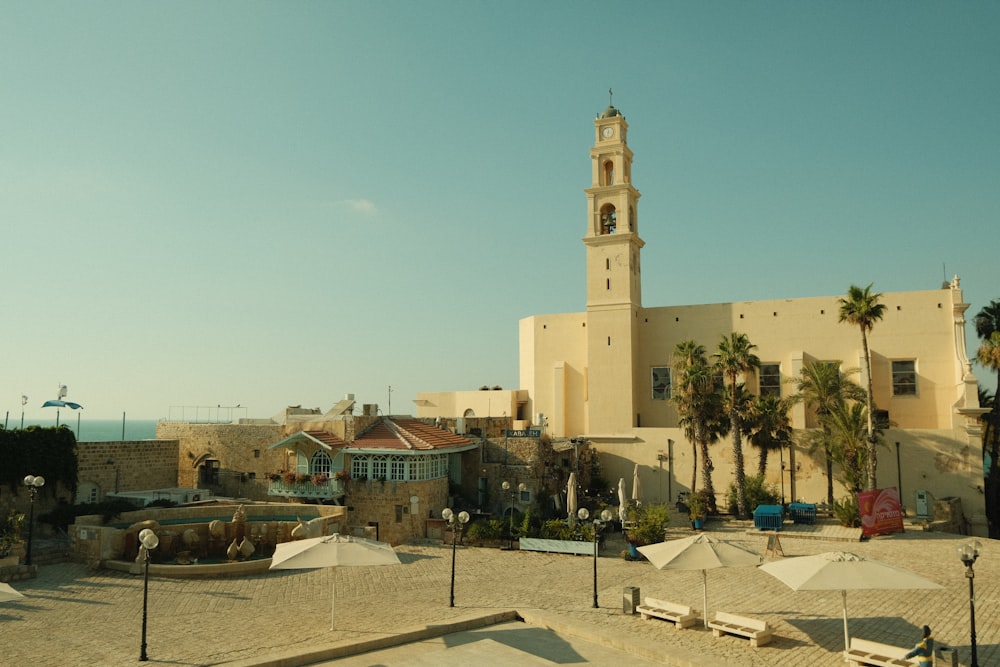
651, 521
484, 530
758, 493
847, 512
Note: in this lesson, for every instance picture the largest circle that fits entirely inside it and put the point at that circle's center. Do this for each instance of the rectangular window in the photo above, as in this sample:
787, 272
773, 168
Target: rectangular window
904, 378
770, 380
525, 496
660, 380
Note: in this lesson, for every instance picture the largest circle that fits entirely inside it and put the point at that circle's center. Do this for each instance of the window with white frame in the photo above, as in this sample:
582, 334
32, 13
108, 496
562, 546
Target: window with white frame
398, 467
904, 377
769, 380
320, 463
660, 381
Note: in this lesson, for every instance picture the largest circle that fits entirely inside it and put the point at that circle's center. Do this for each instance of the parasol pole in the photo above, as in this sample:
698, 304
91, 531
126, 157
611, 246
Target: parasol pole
333, 595
847, 639
704, 595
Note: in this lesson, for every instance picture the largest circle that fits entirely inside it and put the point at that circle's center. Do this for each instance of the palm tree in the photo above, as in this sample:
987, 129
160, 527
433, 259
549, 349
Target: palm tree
846, 424
988, 355
822, 387
988, 323
770, 427
735, 358
861, 308
698, 399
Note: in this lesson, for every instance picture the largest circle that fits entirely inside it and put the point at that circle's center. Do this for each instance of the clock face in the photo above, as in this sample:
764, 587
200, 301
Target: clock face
608, 132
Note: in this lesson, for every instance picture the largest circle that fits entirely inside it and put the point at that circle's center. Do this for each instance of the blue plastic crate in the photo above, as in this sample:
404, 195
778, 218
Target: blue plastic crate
768, 517
802, 512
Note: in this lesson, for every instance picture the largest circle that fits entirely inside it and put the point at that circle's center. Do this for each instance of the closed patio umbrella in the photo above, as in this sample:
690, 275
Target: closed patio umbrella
571, 501
622, 501
843, 571
332, 551
636, 485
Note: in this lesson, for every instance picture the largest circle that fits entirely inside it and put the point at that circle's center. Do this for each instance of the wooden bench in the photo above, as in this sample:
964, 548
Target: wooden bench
863, 652
680, 615
758, 632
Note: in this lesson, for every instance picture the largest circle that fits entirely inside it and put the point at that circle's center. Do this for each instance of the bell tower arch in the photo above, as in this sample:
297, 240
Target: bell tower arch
614, 285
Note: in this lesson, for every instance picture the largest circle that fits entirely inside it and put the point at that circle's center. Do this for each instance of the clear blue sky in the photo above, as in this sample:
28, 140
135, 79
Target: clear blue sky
274, 203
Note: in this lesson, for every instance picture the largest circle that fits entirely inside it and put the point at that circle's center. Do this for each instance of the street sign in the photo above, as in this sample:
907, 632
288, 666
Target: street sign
525, 433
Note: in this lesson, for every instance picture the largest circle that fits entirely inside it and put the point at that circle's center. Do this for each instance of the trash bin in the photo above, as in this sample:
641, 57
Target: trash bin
630, 599
947, 656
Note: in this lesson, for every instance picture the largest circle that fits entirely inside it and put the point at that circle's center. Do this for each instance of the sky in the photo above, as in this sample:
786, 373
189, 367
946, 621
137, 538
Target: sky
279, 203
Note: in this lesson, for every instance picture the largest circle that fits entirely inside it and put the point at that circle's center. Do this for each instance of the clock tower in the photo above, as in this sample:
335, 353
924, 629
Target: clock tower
614, 285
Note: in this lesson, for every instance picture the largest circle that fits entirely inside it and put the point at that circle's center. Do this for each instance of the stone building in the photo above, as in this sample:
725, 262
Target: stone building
604, 374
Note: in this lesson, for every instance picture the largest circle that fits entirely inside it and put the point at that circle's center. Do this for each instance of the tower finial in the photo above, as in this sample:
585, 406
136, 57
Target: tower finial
611, 97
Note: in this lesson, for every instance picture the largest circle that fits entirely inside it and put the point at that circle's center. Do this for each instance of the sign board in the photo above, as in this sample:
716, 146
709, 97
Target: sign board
881, 512
525, 433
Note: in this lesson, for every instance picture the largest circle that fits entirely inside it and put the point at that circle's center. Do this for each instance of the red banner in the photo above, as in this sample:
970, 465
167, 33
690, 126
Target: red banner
881, 512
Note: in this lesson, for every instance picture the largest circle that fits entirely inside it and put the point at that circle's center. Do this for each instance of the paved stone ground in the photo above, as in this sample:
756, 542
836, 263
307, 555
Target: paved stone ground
73, 616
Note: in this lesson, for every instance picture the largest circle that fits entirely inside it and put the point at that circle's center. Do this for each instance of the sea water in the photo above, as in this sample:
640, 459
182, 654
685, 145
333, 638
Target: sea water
94, 430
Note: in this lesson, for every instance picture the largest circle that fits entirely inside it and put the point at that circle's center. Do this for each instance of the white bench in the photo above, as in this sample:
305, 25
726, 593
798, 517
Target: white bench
680, 615
863, 652
757, 631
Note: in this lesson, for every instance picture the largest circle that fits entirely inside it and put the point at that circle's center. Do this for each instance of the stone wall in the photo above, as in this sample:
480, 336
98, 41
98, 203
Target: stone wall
130, 465
390, 505
241, 449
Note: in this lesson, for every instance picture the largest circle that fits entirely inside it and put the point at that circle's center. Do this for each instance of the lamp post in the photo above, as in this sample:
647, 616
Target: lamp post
510, 528
33, 482
968, 553
456, 522
599, 523
147, 541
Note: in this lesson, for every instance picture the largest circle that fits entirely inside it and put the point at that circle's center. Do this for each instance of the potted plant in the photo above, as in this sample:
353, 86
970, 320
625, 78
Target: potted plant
697, 509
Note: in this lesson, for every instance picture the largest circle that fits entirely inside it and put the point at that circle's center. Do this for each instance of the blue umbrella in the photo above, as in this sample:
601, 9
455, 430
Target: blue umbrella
59, 403
62, 404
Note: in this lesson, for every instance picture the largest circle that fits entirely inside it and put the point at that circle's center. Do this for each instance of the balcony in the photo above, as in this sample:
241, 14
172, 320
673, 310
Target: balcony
331, 489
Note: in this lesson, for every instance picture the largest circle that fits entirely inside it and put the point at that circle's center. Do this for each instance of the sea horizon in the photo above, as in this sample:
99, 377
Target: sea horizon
93, 430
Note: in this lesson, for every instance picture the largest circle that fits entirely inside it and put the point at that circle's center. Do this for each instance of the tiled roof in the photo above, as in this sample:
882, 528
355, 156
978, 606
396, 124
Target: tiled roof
409, 435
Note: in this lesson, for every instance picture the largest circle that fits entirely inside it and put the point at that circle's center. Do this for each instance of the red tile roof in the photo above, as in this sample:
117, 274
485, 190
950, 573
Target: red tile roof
408, 435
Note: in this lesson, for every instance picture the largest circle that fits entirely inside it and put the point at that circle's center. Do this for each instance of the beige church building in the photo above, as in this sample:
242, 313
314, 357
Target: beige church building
604, 374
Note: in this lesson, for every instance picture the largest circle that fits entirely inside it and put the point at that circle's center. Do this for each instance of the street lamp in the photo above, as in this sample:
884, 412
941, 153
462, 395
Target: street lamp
147, 541
968, 553
456, 522
510, 528
599, 523
33, 482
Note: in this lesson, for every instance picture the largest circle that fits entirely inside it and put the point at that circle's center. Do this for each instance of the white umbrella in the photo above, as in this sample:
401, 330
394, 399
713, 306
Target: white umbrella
622, 502
7, 593
332, 551
571, 503
636, 486
843, 571
699, 552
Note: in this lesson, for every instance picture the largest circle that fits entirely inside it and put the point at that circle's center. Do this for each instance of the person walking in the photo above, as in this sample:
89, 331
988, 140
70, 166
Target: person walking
924, 650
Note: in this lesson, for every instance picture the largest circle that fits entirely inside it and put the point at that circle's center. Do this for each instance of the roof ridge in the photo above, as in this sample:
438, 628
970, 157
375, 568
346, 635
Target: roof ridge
409, 434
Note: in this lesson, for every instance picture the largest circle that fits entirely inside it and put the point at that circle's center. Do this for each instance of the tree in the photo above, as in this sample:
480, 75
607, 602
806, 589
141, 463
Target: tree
822, 387
699, 403
988, 354
734, 359
861, 308
770, 427
847, 425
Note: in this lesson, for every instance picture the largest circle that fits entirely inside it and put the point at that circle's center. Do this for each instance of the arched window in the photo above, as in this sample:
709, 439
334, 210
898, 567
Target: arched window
397, 468
320, 463
469, 413
609, 173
